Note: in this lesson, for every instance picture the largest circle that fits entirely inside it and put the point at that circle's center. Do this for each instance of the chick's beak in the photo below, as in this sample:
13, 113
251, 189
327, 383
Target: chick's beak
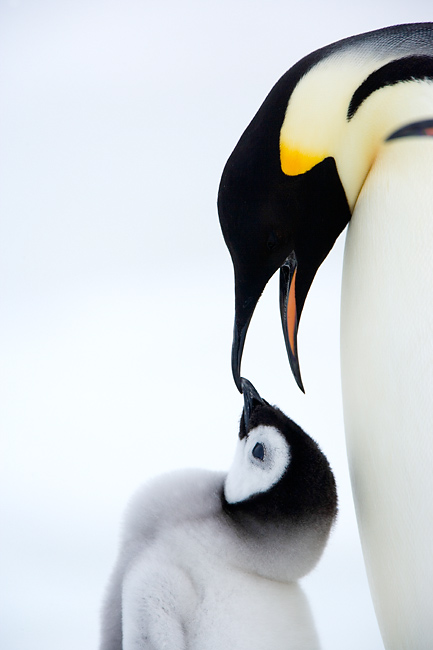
251, 400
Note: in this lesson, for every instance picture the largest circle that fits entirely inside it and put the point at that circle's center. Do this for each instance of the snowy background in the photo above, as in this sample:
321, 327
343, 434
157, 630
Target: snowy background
116, 119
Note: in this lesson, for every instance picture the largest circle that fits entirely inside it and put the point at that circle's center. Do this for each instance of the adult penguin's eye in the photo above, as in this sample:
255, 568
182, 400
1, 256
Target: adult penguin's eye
258, 451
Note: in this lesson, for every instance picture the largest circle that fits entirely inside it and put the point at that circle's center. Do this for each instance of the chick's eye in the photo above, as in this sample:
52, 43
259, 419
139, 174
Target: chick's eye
272, 240
258, 451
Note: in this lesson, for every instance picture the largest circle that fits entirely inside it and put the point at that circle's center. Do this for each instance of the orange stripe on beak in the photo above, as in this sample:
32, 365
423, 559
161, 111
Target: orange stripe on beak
291, 314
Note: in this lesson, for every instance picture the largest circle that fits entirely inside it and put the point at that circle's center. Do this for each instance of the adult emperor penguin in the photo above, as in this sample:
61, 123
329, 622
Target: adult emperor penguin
344, 135
209, 561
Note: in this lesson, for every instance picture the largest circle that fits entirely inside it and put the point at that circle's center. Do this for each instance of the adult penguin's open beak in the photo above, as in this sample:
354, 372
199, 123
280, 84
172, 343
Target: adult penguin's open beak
246, 299
245, 303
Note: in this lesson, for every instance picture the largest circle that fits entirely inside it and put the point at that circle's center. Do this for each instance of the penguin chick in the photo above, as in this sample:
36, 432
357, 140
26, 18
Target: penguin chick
210, 560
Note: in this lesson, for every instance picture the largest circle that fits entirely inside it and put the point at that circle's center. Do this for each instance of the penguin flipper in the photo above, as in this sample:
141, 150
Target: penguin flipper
158, 602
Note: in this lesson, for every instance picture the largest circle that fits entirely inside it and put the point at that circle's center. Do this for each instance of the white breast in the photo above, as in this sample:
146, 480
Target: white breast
214, 609
387, 377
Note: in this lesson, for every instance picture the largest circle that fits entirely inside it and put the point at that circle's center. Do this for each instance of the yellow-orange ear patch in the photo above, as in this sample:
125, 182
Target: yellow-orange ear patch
294, 162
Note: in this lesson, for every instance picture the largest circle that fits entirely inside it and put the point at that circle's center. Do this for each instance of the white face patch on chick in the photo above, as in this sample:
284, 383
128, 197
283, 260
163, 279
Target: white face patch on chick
260, 461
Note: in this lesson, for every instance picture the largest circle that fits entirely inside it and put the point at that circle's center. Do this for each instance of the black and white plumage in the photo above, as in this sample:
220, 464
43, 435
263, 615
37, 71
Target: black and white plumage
209, 560
345, 136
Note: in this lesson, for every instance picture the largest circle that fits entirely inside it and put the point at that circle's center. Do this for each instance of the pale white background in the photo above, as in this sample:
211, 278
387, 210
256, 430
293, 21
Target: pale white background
116, 119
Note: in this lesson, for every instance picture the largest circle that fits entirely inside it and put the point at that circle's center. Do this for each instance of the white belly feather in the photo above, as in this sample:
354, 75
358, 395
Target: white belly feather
221, 608
387, 378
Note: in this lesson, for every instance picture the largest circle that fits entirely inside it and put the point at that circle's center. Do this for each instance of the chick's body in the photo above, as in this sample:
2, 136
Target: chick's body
197, 572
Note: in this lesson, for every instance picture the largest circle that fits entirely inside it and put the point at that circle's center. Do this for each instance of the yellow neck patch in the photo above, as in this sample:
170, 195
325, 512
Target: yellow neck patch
294, 162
